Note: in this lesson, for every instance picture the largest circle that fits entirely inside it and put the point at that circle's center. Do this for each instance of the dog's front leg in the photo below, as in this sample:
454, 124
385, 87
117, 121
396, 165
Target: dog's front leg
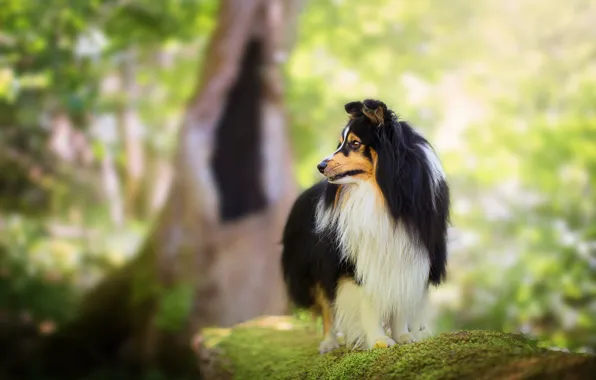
399, 330
417, 324
329, 342
372, 325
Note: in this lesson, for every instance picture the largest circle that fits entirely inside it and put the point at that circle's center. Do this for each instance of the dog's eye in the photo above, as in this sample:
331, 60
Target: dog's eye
355, 144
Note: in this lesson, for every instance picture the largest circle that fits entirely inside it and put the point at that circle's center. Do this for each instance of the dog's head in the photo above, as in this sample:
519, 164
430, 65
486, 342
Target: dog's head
356, 157
377, 148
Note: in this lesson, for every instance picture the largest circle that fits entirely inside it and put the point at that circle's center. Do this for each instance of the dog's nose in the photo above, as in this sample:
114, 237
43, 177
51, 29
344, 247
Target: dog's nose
322, 165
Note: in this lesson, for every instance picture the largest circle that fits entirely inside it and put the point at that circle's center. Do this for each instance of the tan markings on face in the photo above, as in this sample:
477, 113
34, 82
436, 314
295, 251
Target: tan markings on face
373, 178
354, 161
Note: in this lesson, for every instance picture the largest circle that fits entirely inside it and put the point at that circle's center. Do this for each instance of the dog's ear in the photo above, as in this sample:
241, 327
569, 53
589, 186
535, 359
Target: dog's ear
354, 109
375, 111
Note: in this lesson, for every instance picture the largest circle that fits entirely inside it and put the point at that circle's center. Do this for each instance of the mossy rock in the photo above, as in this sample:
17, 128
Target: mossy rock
285, 348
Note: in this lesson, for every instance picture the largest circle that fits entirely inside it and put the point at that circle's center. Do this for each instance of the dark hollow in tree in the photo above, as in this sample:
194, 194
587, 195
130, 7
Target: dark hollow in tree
237, 156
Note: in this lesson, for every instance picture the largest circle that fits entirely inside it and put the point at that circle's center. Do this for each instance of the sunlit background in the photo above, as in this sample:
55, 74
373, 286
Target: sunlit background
91, 99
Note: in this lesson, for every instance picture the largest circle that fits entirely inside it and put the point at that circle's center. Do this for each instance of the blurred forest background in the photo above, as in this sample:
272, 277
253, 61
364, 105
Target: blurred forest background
95, 96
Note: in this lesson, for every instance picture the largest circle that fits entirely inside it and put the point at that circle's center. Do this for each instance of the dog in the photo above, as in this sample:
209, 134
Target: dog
362, 247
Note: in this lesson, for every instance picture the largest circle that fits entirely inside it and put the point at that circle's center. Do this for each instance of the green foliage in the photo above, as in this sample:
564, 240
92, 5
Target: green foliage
27, 180
54, 60
32, 283
43, 274
62, 41
537, 259
145, 22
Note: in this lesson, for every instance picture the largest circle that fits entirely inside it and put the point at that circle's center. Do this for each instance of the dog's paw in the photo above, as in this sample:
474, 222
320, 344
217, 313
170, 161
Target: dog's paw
327, 345
384, 342
423, 333
406, 338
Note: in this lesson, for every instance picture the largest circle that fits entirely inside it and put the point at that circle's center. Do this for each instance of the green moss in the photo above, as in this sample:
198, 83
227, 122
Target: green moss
174, 307
285, 348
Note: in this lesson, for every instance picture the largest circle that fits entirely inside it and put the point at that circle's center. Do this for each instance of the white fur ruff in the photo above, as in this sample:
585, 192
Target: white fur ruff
391, 265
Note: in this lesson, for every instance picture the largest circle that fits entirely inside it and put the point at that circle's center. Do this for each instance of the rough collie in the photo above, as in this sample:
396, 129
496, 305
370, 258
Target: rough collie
362, 247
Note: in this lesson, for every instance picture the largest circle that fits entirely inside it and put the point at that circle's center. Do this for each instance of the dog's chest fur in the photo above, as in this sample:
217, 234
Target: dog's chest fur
391, 265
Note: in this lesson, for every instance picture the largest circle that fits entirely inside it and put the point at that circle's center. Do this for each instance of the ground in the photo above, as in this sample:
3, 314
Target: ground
285, 348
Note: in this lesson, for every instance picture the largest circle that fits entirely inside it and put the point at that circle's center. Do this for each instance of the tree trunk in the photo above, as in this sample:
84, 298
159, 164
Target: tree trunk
213, 255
